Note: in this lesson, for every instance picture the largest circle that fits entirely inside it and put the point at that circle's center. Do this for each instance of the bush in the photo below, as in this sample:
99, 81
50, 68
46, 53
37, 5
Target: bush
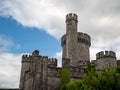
107, 80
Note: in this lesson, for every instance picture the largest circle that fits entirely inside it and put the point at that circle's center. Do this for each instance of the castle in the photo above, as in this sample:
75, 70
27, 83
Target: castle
41, 73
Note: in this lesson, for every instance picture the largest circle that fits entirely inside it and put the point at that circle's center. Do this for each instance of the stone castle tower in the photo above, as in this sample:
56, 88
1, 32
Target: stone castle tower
41, 73
75, 44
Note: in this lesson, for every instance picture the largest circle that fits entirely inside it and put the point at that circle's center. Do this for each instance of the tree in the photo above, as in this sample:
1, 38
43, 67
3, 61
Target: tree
65, 78
106, 80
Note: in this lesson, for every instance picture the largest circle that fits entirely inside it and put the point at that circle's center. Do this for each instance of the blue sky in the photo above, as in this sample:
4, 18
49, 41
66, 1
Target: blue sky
39, 24
28, 39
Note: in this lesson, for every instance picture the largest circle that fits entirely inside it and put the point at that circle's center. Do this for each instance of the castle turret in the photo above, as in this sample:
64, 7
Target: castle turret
105, 60
75, 44
71, 38
105, 54
84, 43
26, 60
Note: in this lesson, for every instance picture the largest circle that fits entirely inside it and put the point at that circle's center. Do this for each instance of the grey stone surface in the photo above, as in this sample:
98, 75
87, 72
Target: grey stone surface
105, 60
41, 73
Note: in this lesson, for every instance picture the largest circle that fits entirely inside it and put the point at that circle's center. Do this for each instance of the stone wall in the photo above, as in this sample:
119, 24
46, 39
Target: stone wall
39, 73
105, 60
53, 79
84, 43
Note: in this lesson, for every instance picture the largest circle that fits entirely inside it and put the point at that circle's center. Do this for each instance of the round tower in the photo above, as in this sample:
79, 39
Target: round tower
84, 43
71, 38
105, 60
75, 44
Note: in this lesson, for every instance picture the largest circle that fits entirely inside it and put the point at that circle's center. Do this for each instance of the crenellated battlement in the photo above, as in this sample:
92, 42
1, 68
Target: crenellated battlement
26, 58
52, 62
71, 16
106, 54
84, 38
45, 60
44, 57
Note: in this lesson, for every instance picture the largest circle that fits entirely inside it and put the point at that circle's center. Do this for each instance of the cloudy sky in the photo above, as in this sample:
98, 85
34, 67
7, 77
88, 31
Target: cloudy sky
39, 24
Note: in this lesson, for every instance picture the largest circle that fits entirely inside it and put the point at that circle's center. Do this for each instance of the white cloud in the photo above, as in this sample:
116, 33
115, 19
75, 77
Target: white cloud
10, 70
9, 63
35, 13
97, 18
5, 43
93, 52
58, 55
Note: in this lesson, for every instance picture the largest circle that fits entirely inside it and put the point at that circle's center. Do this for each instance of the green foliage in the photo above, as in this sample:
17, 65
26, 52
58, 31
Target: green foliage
65, 78
107, 80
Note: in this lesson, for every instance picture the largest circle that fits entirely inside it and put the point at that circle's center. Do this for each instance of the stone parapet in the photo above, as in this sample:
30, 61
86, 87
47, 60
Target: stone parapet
84, 38
26, 58
71, 16
106, 54
52, 62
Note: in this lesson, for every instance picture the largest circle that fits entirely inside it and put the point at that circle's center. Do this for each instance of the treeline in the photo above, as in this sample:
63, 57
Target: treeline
106, 80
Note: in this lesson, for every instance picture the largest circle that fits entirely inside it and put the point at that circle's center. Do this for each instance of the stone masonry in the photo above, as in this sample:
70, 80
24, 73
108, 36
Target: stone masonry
41, 73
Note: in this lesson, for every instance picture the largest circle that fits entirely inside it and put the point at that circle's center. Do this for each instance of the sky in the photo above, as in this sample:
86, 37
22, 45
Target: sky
39, 24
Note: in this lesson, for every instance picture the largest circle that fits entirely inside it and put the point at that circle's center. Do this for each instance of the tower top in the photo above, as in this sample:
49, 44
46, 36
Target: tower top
106, 54
71, 16
35, 53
